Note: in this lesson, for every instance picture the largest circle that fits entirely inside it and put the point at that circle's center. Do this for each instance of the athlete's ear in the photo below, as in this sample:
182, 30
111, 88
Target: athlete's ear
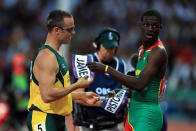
56, 30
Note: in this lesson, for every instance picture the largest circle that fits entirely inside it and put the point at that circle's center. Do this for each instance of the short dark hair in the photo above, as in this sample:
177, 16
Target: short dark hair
56, 18
152, 12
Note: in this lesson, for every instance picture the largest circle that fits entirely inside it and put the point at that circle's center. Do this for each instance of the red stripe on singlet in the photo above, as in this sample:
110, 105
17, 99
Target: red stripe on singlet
156, 44
162, 83
128, 126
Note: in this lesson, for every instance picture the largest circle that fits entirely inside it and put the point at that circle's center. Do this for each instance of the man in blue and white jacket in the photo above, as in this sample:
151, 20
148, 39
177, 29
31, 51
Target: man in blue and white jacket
96, 118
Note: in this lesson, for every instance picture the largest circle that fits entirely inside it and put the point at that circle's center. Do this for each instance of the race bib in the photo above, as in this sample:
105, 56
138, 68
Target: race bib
116, 103
79, 66
40, 127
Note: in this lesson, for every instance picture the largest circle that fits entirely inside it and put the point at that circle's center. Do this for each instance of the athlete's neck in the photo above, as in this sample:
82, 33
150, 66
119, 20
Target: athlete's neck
52, 42
148, 44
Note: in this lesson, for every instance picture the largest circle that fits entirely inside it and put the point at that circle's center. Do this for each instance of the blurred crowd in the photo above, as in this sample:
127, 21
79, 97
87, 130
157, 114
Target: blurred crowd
22, 29
178, 34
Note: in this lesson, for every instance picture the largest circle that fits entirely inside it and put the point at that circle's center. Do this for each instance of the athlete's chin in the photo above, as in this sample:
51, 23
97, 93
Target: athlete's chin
148, 40
66, 41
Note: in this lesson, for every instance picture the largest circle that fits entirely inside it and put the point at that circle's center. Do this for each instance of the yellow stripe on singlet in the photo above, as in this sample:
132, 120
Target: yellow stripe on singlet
38, 120
137, 72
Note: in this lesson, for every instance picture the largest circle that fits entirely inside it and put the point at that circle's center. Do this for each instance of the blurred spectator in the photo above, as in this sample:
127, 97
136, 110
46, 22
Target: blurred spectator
17, 43
193, 72
16, 89
181, 73
5, 109
123, 14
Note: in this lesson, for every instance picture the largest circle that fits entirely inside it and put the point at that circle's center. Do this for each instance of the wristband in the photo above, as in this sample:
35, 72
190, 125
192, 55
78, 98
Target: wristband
106, 69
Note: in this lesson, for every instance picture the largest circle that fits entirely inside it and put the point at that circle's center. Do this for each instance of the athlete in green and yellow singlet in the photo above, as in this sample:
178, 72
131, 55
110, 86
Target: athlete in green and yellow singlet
58, 108
144, 112
51, 93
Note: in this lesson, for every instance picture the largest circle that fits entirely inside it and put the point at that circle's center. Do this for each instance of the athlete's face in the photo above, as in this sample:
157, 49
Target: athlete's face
150, 27
67, 31
106, 54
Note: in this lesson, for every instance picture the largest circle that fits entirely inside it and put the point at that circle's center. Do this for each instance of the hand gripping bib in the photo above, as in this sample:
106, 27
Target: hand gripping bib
79, 66
116, 103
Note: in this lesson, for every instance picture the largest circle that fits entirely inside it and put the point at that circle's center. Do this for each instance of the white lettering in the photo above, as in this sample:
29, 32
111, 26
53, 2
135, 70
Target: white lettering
115, 102
99, 91
102, 91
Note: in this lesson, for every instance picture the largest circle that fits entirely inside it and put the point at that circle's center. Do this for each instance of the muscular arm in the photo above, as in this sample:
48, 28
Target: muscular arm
45, 70
82, 90
86, 98
156, 60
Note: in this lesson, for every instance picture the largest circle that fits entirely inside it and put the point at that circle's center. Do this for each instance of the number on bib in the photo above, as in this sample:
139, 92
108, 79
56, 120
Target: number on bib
40, 126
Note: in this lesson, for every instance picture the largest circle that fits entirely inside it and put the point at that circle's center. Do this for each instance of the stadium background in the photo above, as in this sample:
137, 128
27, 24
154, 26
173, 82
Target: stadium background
22, 29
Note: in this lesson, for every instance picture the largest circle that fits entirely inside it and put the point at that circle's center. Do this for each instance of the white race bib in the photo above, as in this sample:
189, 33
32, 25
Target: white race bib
40, 127
115, 104
79, 66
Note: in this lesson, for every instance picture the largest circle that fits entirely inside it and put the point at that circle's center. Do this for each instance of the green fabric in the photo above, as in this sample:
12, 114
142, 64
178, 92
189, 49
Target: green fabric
29, 118
33, 107
151, 92
53, 122
144, 112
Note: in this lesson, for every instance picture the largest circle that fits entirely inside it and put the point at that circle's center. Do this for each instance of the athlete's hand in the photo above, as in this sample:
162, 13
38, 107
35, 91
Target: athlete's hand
112, 93
115, 103
90, 98
84, 82
96, 67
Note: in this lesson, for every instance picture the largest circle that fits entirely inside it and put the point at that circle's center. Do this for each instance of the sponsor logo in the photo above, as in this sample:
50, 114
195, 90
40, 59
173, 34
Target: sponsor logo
110, 36
63, 65
102, 91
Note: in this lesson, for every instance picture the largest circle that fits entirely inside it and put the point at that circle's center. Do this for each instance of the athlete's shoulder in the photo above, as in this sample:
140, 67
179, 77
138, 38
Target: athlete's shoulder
159, 53
161, 45
46, 58
46, 54
159, 49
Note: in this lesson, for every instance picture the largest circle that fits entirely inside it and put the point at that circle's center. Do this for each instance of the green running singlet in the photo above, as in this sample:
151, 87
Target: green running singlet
144, 111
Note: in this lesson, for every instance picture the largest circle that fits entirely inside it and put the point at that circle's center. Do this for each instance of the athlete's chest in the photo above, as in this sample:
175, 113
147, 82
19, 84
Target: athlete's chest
143, 57
142, 61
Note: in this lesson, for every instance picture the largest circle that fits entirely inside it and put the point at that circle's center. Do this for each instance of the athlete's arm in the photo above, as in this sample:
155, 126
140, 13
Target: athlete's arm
156, 60
86, 98
80, 90
45, 70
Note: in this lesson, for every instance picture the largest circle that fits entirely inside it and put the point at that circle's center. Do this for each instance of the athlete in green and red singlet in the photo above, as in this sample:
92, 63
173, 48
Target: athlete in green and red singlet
144, 111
